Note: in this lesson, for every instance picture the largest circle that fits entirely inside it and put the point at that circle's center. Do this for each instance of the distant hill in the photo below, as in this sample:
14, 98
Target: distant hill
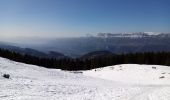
32, 52
53, 54
95, 54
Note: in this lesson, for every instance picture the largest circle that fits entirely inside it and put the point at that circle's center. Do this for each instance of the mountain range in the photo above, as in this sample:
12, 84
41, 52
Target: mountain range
116, 43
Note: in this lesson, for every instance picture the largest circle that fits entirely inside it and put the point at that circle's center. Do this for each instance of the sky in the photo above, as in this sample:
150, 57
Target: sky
69, 18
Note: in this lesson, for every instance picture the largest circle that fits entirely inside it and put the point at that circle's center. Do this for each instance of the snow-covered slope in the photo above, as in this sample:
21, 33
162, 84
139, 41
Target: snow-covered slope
133, 73
29, 82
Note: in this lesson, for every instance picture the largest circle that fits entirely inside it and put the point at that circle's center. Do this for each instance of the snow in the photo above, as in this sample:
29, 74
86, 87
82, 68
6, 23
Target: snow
133, 73
128, 82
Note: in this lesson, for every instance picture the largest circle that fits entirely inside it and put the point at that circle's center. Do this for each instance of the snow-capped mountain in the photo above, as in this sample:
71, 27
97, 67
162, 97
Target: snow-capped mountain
120, 82
133, 35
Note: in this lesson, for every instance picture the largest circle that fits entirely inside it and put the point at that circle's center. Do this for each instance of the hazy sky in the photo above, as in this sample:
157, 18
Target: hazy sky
55, 18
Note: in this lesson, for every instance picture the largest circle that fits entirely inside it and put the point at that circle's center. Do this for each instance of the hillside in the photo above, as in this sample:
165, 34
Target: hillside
120, 82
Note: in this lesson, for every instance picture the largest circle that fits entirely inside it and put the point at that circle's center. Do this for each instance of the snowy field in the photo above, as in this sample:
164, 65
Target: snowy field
120, 82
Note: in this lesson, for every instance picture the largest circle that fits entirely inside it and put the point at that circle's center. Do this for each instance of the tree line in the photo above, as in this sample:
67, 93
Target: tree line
157, 58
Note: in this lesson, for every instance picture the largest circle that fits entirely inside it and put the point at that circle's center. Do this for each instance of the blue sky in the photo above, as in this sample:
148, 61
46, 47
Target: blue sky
58, 18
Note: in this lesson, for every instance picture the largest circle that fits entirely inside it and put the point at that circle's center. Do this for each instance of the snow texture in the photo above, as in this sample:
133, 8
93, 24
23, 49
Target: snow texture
120, 82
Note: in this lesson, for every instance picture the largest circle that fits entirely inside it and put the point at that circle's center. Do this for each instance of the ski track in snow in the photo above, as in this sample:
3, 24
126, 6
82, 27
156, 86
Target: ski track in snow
29, 82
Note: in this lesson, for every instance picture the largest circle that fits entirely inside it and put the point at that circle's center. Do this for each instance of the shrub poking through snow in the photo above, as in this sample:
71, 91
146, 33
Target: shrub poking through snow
162, 77
6, 76
153, 67
77, 72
